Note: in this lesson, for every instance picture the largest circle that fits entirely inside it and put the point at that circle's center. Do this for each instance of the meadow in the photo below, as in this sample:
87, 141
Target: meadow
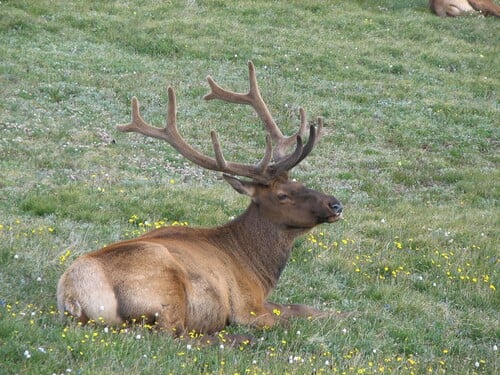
411, 108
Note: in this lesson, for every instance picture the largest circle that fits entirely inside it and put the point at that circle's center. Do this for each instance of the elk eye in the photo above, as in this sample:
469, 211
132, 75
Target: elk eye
282, 197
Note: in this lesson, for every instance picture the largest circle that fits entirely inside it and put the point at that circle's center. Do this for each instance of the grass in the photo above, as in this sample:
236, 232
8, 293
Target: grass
411, 149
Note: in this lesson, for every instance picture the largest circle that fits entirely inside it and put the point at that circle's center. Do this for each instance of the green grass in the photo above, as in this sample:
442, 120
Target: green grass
411, 148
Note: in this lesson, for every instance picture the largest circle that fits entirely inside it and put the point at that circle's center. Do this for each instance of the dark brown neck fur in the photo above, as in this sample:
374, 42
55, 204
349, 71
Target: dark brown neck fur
258, 243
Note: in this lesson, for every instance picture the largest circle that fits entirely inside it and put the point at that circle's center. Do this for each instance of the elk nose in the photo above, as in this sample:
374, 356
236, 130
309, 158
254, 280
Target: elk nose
336, 207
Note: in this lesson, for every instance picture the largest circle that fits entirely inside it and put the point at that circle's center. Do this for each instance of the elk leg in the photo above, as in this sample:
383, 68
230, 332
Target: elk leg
303, 311
258, 317
172, 315
264, 320
286, 311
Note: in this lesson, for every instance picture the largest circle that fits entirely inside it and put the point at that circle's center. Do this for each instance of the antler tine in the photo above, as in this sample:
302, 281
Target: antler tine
138, 125
219, 156
299, 154
261, 167
288, 141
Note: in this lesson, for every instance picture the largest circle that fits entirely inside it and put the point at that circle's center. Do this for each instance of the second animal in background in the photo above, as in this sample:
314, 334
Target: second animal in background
453, 8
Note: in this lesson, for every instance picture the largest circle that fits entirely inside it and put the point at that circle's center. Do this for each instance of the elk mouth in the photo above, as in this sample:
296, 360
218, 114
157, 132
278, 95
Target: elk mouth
330, 218
336, 209
333, 218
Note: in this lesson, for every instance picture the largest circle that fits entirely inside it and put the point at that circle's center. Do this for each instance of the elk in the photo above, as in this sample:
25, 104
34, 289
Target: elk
184, 279
453, 8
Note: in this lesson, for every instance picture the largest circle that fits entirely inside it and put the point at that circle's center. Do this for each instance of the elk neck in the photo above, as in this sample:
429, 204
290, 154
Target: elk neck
259, 243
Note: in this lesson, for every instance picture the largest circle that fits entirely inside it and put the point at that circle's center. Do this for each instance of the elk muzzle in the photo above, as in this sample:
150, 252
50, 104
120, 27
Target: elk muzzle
336, 209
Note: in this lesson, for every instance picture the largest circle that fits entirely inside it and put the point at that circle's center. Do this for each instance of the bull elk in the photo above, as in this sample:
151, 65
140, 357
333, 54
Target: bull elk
184, 279
453, 8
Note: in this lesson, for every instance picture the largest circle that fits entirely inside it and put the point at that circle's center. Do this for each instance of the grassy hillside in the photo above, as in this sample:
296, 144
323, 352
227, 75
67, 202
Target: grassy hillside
411, 104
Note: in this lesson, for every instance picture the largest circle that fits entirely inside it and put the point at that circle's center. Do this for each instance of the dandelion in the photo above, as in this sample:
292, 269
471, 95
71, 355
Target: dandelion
64, 257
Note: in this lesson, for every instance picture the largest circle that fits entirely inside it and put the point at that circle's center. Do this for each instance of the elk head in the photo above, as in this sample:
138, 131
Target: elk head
287, 203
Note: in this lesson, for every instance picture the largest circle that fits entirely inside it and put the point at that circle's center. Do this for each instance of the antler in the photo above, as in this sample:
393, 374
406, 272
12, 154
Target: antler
264, 171
254, 99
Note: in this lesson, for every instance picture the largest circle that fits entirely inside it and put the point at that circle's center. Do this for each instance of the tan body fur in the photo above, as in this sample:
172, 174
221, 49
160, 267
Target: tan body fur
190, 279
187, 279
453, 8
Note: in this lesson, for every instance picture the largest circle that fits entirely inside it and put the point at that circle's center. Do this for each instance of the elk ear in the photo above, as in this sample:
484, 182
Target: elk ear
242, 187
